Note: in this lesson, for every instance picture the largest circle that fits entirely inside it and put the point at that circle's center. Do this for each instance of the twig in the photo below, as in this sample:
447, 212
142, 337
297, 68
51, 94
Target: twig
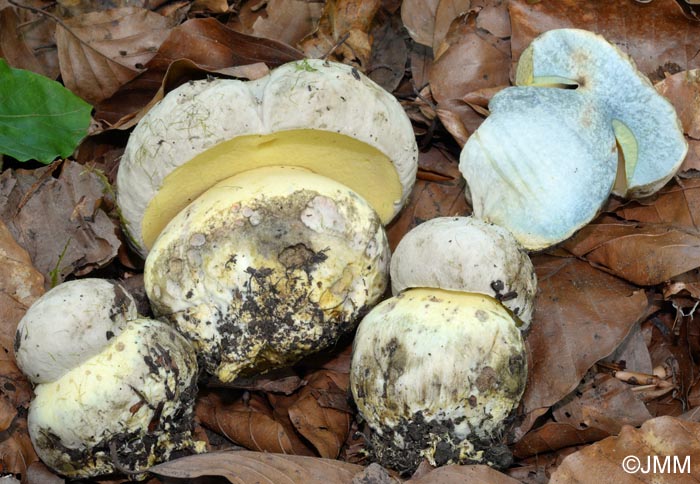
340, 42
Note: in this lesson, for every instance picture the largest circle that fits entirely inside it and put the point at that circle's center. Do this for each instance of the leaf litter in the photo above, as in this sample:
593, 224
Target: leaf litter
615, 345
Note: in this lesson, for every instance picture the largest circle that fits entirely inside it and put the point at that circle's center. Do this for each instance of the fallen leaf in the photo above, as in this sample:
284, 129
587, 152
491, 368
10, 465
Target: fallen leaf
283, 380
20, 285
263, 468
418, 17
623, 459
431, 199
343, 32
202, 44
16, 450
38, 473
13, 47
553, 436
669, 46
387, 62
643, 254
101, 51
27, 38
691, 164
286, 21
59, 220
250, 424
581, 315
456, 474
447, 11
683, 90
633, 352
493, 17
211, 6
322, 414
604, 403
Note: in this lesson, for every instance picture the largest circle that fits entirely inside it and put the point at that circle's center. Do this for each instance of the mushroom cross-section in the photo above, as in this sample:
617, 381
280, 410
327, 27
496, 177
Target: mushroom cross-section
323, 116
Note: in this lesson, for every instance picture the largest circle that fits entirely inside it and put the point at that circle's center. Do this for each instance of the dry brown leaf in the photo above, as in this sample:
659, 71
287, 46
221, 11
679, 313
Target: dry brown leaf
101, 51
438, 192
604, 403
454, 474
16, 451
283, 380
201, 45
469, 60
250, 423
263, 468
13, 46
676, 205
418, 17
643, 254
286, 21
671, 45
612, 459
683, 90
211, 6
447, 11
59, 221
343, 29
27, 38
389, 53
72, 8
493, 17
633, 353
322, 414
553, 436
692, 160
20, 285
581, 315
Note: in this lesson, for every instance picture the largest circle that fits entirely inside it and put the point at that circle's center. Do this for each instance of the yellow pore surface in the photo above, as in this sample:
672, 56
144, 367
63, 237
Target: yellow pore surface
357, 165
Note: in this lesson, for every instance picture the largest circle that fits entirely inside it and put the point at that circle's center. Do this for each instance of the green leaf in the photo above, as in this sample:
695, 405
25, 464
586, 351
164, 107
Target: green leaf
39, 118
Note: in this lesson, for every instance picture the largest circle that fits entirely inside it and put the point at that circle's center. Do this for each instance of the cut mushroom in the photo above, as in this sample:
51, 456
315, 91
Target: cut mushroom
323, 116
646, 126
542, 164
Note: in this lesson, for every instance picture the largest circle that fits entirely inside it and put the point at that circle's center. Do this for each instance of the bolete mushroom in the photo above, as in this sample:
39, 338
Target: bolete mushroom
469, 255
645, 123
262, 204
268, 266
323, 116
545, 161
437, 370
122, 398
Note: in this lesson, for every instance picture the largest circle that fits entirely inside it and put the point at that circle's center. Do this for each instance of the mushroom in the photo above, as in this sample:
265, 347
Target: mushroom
437, 370
266, 267
261, 207
469, 255
114, 394
436, 374
323, 116
545, 161
645, 123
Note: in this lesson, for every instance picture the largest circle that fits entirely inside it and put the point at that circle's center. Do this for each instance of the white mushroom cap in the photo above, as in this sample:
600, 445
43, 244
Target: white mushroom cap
646, 125
266, 267
435, 374
542, 164
133, 401
69, 324
469, 255
362, 138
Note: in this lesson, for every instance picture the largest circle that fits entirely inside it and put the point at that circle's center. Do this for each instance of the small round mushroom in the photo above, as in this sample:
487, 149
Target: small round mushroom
646, 125
123, 400
436, 374
70, 324
469, 255
266, 267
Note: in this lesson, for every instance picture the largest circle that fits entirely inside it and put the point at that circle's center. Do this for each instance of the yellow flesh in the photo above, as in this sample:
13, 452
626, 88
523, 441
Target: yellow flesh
628, 144
357, 165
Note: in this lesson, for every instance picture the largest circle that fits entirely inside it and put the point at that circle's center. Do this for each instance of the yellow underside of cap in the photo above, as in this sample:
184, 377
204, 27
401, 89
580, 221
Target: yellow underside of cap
359, 166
